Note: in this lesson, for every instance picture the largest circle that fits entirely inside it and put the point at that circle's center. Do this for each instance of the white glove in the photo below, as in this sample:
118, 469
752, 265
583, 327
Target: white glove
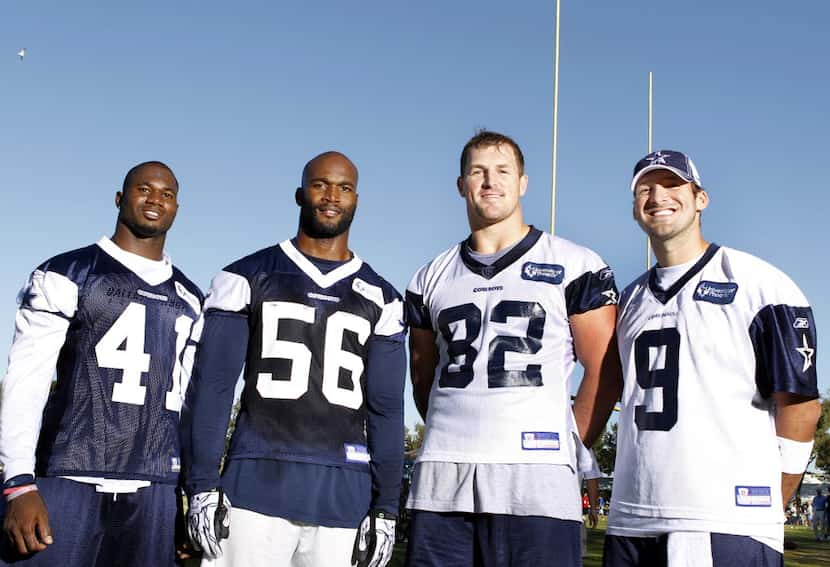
375, 540
209, 521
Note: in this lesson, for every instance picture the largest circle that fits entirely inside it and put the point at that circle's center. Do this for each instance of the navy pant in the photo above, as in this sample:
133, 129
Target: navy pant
727, 551
95, 529
491, 540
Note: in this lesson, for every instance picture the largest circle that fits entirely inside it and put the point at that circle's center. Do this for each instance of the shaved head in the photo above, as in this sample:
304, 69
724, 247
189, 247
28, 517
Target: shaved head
331, 156
136, 169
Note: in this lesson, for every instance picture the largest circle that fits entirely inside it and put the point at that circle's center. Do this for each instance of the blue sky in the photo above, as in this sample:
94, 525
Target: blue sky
236, 97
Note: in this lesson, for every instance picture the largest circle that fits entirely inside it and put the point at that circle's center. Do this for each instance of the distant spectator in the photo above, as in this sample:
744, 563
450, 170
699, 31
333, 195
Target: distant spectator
819, 520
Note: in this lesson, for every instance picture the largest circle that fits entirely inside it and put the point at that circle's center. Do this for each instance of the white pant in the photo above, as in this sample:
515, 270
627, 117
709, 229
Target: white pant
258, 540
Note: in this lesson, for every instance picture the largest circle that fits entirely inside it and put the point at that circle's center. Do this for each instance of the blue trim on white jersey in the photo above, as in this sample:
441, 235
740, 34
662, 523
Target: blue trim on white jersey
590, 291
515, 253
664, 296
784, 339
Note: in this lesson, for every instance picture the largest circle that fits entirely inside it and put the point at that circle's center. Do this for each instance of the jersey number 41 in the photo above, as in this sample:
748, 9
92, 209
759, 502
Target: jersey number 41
128, 330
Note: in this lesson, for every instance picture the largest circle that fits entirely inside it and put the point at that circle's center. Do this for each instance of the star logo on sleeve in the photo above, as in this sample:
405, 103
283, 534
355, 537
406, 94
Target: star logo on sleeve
807, 352
611, 295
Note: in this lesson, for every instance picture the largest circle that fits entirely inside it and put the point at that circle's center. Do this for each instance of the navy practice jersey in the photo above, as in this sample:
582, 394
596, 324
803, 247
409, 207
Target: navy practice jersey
696, 447
305, 394
114, 410
505, 348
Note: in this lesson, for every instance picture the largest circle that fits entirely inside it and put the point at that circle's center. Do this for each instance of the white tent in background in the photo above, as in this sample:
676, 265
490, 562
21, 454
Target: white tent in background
21, 53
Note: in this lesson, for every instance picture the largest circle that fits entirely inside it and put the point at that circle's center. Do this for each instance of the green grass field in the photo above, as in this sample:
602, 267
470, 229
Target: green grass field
809, 552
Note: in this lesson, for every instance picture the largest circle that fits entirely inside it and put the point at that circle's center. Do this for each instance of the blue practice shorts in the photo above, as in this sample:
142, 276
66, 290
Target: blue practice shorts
451, 539
727, 551
96, 529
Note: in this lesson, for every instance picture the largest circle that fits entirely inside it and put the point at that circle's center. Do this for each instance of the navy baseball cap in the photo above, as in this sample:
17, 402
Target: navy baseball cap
677, 162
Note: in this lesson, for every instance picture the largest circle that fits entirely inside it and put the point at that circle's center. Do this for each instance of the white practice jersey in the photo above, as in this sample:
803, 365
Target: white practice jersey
696, 446
505, 348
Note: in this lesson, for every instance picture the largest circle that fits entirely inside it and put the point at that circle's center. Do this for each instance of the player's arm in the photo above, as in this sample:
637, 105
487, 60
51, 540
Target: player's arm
46, 304
206, 411
385, 374
423, 358
596, 349
423, 351
385, 371
796, 418
205, 415
591, 304
222, 337
784, 340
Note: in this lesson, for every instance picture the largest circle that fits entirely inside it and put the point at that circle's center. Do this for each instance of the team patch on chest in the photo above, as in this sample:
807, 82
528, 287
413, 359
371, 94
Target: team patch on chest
547, 273
721, 293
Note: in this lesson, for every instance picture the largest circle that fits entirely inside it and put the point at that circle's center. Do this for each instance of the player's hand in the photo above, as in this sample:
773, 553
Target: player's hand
374, 541
27, 523
592, 518
209, 522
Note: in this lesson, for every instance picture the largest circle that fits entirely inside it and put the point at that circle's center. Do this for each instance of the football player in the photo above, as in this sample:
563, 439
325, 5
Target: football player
91, 463
719, 406
497, 324
314, 467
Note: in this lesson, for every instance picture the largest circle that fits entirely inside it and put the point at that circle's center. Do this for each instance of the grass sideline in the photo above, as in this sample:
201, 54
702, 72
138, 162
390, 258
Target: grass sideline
809, 552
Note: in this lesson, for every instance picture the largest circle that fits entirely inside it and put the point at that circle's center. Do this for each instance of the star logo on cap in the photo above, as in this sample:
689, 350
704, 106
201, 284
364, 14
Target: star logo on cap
657, 158
807, 352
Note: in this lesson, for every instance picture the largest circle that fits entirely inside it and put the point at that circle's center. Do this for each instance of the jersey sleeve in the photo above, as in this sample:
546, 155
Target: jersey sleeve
47, 303
222, 342
416, 313
391, 320
784, 340
594, 288
385, 373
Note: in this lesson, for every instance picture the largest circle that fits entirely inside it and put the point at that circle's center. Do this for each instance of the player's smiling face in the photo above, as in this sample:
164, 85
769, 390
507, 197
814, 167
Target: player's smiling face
492, 185
148, 204
667, 206
328, 199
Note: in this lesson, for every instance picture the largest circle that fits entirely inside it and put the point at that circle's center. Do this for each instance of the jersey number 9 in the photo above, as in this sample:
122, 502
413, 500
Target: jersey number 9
656, 358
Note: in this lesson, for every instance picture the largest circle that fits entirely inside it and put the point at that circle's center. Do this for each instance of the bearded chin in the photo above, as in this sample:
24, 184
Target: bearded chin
316, 229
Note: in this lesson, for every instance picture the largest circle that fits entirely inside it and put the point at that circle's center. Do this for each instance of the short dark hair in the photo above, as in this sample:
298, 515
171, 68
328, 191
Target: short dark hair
486, 138
136, 168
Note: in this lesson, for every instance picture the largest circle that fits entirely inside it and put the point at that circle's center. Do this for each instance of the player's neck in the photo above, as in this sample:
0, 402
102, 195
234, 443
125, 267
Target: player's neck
335, 248
495, 237
151, 248
679, 250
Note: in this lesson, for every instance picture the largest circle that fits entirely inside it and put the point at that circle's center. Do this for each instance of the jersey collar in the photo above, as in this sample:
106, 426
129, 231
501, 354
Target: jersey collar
312, 271
154, 272
488, 272
664, 296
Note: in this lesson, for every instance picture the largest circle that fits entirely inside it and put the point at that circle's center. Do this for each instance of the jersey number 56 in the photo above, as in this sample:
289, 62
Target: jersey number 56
334, 356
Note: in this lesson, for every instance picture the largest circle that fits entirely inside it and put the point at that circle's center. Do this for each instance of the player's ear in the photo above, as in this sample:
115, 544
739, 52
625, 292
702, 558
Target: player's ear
460, 184
298, 196
522, 185
118, 196
701, 200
